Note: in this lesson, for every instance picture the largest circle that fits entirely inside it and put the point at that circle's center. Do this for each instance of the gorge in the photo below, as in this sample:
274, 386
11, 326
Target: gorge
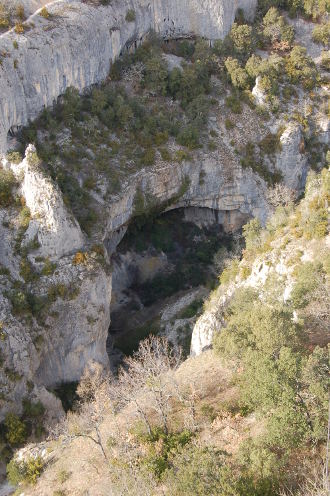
207, 178
152, 154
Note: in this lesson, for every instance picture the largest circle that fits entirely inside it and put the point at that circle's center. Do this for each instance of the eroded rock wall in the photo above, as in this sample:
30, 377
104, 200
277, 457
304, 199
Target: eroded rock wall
214, 182
76, 45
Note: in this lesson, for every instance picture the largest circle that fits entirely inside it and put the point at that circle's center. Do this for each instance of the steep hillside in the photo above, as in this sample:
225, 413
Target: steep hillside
137, 141
248, 418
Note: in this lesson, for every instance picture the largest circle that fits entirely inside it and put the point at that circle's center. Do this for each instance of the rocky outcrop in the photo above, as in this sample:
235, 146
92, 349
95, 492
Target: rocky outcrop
56, 347
212, 181
205, 328
292, 159
259, 94
76, 45
55, 230
51, 323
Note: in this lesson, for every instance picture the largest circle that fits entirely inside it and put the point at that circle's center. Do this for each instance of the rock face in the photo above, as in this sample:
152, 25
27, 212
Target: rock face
291, 161
56, 349
215, 182
78, 327
53, 227
70, 325
259, 94
77, 44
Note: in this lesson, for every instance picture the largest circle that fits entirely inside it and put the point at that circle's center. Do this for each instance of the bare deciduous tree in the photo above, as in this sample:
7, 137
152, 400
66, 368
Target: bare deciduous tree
94, 406
281, 195
146, 380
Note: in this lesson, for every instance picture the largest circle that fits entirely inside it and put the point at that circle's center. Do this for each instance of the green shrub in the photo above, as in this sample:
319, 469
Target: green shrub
16, 432
7, 184
63, 476
241, 36
59, 290
165, 154
28, 471
201, 472
191, 310
33, 159
234, 104
189, 137
48, 268
44, 13
253, 66
130, 15
321, 33
24, 218
182, 155
27, 271
20, 13
252, 234
270, 144
158, 460
276, 29
325, 60
4, 16
229, 124
19, 28
238, 75
314, 8
148, 157
208, 412
308, 277
33, 410
300, 68
251, 160
229, 273
14, 157
19, 302
156, 73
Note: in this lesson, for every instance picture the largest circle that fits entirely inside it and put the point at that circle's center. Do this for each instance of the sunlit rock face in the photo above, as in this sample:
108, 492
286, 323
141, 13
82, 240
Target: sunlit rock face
53, 227
78, 43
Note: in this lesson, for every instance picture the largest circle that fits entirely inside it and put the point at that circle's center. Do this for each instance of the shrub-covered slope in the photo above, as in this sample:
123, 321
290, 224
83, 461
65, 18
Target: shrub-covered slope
247, 418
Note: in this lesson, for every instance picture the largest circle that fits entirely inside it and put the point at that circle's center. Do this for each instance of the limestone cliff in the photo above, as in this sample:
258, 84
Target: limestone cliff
76, 45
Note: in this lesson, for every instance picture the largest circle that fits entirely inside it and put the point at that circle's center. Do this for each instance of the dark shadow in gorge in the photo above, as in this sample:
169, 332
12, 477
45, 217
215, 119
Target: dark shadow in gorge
163, 262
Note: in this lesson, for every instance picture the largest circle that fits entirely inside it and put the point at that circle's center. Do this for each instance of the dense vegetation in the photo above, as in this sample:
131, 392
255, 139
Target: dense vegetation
284, 379
119, 131
310, 8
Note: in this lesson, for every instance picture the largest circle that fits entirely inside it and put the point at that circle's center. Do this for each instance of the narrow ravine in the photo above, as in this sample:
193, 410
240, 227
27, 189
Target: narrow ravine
163, 271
